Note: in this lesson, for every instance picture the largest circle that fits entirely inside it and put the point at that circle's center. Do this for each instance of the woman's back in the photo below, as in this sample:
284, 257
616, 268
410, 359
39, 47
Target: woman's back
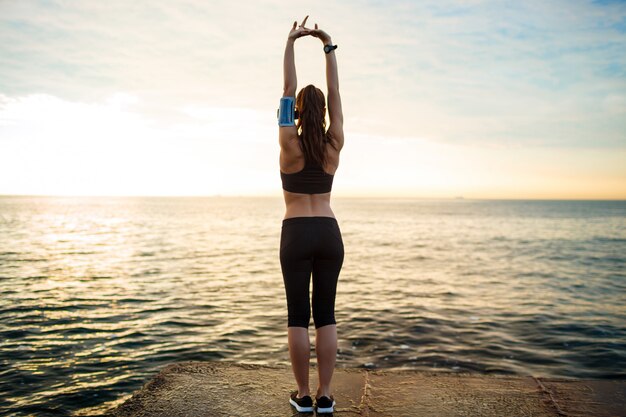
307, 184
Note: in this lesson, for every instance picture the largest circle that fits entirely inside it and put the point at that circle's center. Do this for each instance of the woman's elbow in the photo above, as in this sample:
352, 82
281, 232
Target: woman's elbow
289, 91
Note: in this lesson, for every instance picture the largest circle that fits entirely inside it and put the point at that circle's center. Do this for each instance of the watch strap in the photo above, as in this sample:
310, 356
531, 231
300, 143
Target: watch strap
329, 47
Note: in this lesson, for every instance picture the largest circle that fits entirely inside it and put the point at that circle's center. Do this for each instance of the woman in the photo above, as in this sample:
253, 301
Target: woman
311, 241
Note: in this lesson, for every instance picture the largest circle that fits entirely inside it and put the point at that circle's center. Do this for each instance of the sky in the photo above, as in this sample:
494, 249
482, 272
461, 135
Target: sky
478, 99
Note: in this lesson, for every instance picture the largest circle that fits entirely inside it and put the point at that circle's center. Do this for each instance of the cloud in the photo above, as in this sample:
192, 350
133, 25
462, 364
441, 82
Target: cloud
51, 145
54, 146
473, 72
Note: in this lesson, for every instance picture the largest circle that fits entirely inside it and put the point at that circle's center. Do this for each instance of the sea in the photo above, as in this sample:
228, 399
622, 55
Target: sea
99, 293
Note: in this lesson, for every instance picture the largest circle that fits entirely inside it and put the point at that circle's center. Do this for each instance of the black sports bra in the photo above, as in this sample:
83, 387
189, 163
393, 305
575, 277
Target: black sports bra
312, 179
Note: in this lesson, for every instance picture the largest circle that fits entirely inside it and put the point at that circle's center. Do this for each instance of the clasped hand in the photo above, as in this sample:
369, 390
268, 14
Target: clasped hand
298, 32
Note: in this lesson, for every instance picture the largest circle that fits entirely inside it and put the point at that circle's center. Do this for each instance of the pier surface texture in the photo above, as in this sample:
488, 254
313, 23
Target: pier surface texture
238, 390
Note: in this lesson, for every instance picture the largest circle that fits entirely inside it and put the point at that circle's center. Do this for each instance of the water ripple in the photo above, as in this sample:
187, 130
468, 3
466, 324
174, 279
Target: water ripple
99, 293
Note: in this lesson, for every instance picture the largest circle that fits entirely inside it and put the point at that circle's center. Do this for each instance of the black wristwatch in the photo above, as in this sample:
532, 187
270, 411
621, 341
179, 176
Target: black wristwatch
329, 47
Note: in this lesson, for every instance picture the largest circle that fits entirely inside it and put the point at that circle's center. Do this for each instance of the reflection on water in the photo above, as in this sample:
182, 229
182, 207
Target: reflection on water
99, 293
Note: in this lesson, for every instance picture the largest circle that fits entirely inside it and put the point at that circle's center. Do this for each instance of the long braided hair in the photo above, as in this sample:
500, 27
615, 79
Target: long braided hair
311, 124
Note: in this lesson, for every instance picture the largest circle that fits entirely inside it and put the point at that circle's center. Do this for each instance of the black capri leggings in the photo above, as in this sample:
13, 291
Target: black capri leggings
311, 245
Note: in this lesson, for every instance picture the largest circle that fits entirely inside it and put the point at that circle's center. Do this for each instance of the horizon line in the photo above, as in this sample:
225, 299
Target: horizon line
335, 196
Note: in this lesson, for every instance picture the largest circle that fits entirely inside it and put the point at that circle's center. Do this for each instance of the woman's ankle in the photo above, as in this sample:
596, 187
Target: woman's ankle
322, 393
302, 392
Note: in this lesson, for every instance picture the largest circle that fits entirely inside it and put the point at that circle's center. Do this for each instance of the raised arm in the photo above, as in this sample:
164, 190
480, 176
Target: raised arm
289, 70
335, 112
288, 133
332, 82
289, 64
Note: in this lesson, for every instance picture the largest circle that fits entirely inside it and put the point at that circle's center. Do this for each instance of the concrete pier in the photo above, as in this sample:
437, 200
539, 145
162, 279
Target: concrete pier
237, 390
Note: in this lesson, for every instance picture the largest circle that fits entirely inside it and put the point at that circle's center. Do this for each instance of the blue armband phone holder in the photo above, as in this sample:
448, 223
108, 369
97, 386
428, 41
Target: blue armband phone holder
286, 112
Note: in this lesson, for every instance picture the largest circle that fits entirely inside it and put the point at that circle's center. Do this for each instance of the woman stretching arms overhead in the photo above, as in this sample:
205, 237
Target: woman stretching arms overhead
311, 241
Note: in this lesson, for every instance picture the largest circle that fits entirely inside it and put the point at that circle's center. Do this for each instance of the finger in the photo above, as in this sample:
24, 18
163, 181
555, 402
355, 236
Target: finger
304, 21
316, 26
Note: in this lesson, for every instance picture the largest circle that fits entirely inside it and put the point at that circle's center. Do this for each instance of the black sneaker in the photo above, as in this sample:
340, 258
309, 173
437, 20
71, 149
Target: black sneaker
325, 404
303, 405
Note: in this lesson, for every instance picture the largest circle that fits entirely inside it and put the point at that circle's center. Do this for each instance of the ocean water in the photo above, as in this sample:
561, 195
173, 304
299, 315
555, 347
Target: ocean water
99, 293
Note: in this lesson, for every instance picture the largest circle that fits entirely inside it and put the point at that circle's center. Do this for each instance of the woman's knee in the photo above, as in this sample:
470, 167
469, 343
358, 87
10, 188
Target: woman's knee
298, 320
324, 320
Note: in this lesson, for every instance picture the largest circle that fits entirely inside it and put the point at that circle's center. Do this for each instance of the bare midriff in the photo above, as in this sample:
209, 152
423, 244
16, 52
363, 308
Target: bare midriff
307, 205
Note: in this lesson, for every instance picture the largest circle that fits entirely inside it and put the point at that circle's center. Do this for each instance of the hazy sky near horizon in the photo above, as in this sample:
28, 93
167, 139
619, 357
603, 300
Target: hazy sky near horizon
475, 98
